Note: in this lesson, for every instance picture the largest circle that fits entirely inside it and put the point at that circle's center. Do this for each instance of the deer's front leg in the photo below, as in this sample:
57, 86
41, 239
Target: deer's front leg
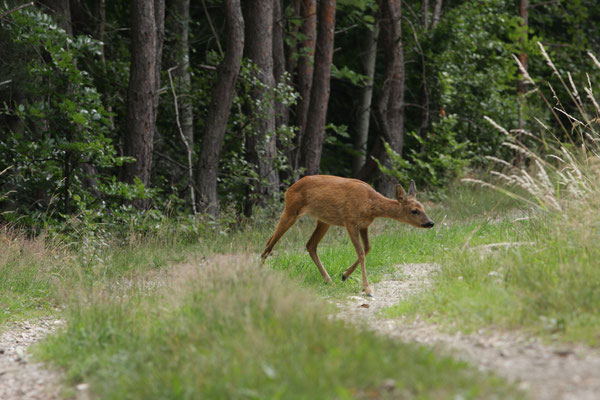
354, 237
364, 235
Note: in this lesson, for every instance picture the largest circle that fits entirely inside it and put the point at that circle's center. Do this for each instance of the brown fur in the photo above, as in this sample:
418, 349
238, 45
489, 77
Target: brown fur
351, 203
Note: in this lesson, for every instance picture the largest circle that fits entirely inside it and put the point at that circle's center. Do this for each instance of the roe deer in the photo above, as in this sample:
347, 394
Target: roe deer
333, 200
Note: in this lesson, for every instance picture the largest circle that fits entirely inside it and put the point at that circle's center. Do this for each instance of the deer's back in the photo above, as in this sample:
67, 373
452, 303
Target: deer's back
331, 199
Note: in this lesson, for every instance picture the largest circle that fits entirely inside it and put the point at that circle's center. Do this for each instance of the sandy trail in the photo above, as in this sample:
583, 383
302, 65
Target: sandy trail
19, 377
549, 372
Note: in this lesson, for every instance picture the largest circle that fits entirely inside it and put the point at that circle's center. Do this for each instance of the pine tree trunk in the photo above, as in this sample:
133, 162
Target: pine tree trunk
437, 13
141, 95
364, 111
312, 142
159, 23
181, 29
281, 111
305, 70
218, 112
425, 12
390, 107
261, 144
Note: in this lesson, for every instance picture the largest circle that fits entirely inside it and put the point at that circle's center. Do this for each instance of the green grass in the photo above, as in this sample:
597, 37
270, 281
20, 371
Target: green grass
241, 332
37, 275
550, 287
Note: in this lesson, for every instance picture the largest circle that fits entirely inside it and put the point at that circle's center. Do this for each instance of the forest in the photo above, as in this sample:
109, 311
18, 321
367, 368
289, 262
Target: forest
206, 107
146, 147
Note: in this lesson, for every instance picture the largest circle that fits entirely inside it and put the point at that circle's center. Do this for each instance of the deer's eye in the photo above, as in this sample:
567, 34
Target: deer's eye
415, 211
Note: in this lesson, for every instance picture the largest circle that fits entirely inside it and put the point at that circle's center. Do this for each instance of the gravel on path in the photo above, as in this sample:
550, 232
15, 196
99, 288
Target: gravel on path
20, 378
544, 371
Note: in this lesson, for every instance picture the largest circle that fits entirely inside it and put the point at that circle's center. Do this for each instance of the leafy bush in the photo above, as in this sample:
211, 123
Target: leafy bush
440, 159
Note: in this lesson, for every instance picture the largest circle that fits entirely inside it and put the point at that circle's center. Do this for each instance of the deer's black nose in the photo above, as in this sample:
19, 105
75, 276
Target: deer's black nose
429, 224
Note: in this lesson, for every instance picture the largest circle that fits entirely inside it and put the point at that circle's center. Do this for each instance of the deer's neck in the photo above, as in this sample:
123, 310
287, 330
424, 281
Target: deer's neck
386, 208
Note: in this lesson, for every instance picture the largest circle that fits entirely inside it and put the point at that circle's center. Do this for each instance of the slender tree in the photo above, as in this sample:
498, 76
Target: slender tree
159, 23
261, 144
218, 112
308, 30
437, 13
312, 142
142, 92
181, 28
366, 96
425, 12
279, 61
390, 106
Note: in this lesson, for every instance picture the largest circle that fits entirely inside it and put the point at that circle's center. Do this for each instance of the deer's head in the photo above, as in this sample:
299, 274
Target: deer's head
413, 212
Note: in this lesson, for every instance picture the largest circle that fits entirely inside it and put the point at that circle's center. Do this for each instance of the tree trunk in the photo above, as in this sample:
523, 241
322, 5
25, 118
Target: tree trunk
305, 69
159, 21
261, 144
141, 95
281, 111
181, 29
61, 10
437, 13
292, 48
218, 112
425, 12
364, 111
390, 107
312, 142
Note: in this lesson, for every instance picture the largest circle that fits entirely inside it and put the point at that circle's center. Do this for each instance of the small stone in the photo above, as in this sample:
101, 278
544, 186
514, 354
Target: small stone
563, 352
83, 386
365, 305
388, 385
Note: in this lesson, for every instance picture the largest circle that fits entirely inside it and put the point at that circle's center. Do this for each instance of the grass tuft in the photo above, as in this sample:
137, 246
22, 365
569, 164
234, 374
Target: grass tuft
240, 332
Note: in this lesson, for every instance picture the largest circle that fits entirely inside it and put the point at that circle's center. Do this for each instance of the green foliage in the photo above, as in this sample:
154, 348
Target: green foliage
470, 53
440, 159
237, 173
59, 144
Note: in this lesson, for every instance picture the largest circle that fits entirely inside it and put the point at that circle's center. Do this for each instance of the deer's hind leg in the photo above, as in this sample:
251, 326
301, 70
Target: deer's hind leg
353, 232
287, 219
312, 244
364, 235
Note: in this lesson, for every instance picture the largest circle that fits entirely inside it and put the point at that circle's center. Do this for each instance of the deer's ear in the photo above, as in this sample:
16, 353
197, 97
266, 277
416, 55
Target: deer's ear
400, 193
412, 190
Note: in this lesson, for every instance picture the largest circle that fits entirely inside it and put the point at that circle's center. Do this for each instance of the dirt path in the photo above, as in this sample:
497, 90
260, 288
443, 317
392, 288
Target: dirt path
548, 372
19, 377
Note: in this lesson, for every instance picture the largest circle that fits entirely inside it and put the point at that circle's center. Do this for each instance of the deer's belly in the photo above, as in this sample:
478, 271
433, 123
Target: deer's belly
329, 216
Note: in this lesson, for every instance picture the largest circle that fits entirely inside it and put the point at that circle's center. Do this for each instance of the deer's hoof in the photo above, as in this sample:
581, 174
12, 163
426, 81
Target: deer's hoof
370, 295
344, 277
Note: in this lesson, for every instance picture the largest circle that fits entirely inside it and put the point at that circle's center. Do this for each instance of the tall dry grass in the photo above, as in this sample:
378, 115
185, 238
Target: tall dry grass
559, 170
